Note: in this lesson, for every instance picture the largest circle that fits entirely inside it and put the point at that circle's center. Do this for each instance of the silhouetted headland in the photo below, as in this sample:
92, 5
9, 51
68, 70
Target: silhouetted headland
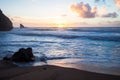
5, 22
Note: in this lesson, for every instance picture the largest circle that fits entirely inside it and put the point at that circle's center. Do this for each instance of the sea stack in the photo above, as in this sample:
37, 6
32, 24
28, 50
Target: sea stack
22, 26
5, 22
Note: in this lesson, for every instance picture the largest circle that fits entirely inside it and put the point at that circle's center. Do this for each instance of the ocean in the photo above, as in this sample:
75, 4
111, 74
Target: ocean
95, 45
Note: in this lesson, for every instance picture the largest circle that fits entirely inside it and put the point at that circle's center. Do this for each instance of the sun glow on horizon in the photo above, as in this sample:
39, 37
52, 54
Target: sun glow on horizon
62, 14
60, 22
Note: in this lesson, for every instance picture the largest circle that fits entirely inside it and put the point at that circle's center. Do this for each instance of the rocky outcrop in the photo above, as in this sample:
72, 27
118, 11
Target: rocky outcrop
22, 26
5, 23
23, 55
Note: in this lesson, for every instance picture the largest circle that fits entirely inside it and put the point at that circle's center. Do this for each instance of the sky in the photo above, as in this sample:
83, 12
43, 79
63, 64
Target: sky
62, 13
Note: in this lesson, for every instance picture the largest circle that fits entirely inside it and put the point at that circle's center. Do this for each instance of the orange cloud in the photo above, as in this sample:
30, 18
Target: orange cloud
84, 10
117, 3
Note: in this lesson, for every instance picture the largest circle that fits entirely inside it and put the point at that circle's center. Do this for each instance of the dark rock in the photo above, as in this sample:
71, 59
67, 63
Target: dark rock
5, 23
23, 55
43, 59
6, 58
29, 52
22, 26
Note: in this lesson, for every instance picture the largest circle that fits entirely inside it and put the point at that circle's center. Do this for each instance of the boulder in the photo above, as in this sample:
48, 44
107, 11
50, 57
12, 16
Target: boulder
5, 23
23, 55
43, 59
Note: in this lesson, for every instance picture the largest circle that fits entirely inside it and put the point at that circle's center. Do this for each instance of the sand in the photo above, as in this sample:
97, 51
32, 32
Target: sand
9, 71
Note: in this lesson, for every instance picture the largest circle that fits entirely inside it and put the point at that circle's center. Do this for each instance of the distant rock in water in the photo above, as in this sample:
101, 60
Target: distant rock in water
22, 26
5, 23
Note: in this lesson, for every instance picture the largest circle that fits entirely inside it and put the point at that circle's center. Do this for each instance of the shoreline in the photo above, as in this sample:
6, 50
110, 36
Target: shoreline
9, 71
91, 67
105, 68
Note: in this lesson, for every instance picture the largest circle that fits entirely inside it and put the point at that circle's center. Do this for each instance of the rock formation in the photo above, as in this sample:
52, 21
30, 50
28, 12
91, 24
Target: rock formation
5, 23
22, 26
23, 55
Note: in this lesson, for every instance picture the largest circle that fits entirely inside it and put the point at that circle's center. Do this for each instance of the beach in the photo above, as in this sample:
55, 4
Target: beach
59, 40
9, 71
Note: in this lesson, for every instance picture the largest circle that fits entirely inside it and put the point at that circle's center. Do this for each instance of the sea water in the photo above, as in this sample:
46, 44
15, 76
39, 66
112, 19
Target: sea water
96, 45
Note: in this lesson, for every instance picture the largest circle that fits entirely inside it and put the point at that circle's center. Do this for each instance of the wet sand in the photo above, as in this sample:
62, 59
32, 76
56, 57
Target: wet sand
9, 71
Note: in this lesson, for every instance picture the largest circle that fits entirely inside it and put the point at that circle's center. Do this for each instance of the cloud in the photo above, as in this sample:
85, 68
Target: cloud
99, 0
84, 10
103, 13
117, 3
111, 23
112, 15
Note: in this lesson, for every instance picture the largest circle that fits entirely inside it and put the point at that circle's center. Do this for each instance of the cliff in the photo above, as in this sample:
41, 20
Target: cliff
5, 23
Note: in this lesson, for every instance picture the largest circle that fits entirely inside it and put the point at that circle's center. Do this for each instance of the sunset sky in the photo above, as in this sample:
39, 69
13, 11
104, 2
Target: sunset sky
63, 13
